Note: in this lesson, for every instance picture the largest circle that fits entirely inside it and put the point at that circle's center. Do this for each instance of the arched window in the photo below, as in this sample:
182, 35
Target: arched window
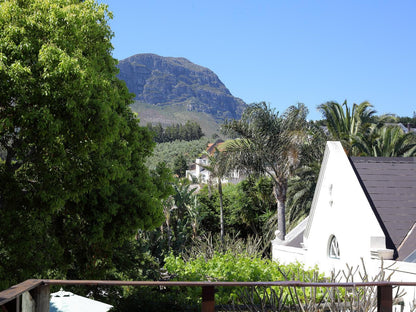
333, 248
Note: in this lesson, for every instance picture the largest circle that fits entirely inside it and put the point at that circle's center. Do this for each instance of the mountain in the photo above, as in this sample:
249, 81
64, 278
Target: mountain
176, 85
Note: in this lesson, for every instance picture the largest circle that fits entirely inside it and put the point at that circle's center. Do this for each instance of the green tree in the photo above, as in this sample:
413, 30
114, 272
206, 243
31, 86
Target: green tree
345, 125
73, 180
408, 121
218, 168
269, 144
180, 166
301, 185
387, 141
249, 204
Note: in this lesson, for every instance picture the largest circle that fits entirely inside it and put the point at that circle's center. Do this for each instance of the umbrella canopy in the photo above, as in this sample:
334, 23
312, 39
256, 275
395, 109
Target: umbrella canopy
65, 301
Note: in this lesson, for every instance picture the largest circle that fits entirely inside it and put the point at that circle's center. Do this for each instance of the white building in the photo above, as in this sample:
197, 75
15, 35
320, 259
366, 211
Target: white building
202, 175
363, 208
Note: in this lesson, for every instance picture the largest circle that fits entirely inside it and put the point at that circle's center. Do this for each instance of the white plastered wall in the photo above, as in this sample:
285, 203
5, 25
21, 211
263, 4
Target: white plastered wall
340, 208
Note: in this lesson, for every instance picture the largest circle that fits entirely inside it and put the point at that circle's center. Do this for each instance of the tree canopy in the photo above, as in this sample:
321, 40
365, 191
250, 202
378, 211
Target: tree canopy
190, 131
270, 144
364, 134
73, 180
344, 125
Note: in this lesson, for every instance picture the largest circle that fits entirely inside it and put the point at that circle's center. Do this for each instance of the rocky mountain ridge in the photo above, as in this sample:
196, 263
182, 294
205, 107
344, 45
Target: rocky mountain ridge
175, 81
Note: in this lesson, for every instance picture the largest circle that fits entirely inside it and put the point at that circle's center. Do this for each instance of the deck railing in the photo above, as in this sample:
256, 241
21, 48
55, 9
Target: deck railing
34, 294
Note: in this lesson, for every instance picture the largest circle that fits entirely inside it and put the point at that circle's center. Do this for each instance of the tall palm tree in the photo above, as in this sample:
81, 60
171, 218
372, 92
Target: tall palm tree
387, 141
300, 193
218, 168
344, 125
301, 185
269, 144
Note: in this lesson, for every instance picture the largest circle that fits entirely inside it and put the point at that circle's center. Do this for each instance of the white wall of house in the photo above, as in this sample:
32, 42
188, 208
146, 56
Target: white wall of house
203, 175
341, 209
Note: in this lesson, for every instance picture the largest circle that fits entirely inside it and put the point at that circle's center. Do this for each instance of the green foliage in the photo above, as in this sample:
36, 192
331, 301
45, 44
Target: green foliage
210, 207
210, 244
254, 205
180, 166
74, 186
364, 134
218, 168
269, 145
411, 121
247, 207
181, 221
190, 131
173, 114
343, 125
227, 267
385, 141
169, 151
301, 186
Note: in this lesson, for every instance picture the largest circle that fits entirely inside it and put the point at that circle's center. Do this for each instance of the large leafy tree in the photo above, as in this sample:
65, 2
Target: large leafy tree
73, 184
270, 144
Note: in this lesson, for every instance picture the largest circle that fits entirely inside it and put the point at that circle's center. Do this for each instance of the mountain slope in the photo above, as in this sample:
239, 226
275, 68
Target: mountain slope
178, 84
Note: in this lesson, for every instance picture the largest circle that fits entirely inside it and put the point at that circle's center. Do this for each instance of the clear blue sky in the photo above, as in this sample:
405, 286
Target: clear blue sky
284, 51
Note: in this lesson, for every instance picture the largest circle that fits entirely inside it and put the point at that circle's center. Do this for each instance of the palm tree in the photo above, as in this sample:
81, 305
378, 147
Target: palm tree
301, 185
387, 141
182, 196
218, 168
300, 192
344, 125
195, 215
269, 144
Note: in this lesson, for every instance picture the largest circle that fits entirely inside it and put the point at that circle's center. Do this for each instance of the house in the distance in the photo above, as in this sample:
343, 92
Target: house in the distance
363, 207
199, 173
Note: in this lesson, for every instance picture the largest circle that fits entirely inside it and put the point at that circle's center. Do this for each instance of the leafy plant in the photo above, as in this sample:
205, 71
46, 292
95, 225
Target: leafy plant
228, 266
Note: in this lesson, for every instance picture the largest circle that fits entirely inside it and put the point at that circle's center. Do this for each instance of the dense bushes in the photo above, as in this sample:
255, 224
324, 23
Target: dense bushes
226, 266
230, 266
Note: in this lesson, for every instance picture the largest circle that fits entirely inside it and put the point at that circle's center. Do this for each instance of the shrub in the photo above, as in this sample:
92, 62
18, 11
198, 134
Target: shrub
229, 266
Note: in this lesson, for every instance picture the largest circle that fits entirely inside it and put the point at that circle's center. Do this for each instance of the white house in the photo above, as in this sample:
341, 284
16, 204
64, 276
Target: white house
198, 172
363, 207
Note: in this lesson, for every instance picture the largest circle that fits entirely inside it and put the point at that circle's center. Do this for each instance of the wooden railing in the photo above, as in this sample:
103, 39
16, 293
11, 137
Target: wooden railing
33, 295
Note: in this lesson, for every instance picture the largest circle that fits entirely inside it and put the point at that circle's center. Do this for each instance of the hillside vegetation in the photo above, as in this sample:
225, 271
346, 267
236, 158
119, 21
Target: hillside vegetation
169, 151
168, 115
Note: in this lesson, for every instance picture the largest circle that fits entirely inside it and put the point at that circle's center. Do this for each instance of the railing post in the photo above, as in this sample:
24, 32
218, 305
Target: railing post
208, 299
28, 304
41, 295
385, 298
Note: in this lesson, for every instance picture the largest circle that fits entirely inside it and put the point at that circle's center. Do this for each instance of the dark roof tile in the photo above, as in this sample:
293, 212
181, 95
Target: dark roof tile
390, 185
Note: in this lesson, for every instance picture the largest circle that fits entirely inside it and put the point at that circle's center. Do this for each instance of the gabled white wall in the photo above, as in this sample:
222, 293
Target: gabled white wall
340, 208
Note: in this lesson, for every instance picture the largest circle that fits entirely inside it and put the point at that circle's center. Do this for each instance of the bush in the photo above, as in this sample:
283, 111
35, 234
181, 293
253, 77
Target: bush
229, 266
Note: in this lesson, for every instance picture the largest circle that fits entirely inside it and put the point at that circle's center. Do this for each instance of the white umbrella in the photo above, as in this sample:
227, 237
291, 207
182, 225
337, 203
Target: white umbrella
65, 301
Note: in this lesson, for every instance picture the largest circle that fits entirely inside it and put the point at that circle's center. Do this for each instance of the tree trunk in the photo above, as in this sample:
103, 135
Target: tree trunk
281, 211
281, 220
221, 211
